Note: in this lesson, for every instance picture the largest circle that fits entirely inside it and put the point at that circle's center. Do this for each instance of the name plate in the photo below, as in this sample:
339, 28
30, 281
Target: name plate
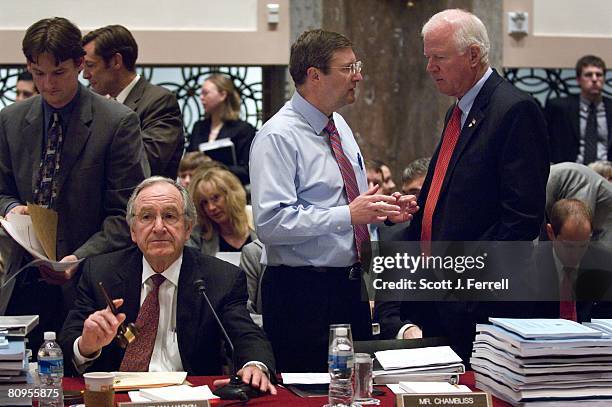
185, 403
445, 400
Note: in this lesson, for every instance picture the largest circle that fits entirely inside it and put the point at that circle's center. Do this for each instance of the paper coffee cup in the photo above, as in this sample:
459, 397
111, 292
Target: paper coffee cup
99, 381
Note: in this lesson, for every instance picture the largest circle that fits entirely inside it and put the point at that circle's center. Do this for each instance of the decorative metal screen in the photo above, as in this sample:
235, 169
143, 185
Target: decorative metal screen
185, 82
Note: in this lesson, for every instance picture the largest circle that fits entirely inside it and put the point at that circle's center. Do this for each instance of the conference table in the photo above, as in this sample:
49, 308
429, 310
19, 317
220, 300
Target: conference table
283, 398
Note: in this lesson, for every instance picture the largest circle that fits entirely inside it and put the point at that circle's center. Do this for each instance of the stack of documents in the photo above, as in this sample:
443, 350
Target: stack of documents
432, 364
13, 369
543, 362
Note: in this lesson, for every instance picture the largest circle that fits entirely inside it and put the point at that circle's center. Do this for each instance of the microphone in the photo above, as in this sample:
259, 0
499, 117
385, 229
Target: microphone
236, 389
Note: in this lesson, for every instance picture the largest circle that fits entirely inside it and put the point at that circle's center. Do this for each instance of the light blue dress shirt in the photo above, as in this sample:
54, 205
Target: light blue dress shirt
467, 101
300, 208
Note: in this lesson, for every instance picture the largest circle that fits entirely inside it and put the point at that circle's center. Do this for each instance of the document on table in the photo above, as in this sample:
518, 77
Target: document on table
178, 393
140, 380
418, 357
541, 328
305, 378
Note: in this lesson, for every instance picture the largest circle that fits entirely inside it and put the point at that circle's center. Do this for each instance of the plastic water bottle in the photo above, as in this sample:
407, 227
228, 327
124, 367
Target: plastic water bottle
50, 372
341, 369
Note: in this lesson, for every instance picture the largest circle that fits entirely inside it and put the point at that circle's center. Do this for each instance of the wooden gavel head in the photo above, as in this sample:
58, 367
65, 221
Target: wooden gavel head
126, 334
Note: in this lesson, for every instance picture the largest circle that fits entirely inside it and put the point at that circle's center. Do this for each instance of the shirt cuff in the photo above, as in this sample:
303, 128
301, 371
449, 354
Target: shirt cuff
340, 219
260, 365
11, 206
400, 334
80, 361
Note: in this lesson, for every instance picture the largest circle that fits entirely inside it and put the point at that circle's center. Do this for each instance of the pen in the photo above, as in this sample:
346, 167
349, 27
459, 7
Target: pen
125, 335
109, 302
360, 161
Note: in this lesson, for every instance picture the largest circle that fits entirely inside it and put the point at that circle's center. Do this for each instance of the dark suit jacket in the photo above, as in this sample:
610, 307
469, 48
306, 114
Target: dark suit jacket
495, 184
240, 132
162, 126
563, 117
494, 189
100, 166
593, 283
199, 336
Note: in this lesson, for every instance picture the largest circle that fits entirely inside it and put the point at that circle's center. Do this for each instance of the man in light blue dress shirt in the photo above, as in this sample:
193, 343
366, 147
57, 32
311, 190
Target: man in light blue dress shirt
301, 210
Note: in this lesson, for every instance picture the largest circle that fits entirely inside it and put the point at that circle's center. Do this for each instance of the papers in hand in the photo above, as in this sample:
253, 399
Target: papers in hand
21, 229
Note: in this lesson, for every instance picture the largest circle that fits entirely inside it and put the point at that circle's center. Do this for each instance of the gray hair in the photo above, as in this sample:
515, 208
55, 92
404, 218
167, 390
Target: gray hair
417, 168
467, 28
189, 211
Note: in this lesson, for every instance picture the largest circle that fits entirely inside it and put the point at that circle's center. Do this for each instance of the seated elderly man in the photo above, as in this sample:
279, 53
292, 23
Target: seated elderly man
153, 286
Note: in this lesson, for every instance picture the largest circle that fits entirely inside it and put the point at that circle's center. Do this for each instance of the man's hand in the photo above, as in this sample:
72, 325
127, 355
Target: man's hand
371, 207
99, 329
414, 332
19, 210
56, 277
253, 376
408, 206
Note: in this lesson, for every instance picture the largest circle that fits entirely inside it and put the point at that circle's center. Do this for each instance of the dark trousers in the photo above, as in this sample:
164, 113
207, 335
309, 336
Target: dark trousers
299, 304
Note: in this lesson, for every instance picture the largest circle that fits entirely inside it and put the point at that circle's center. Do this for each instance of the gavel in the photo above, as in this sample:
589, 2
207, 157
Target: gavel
125, 334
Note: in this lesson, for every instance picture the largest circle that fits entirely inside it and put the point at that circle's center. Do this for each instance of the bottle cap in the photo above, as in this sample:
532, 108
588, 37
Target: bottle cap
341, 331
49, 336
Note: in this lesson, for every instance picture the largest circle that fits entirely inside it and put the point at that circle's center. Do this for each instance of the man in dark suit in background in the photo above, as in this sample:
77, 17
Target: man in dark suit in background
580, 126
487, 178
154, 286
573, 266
110, 68
69, 150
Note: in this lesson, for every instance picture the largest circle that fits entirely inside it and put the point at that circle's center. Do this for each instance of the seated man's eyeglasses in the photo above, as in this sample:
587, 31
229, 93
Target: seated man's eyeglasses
167, 217
354, 68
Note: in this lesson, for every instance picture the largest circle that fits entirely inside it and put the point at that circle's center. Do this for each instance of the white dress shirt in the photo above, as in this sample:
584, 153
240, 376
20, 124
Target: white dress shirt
166, 356
126, 91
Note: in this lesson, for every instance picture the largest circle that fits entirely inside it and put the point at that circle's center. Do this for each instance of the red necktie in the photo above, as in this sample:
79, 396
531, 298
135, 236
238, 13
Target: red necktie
567, 303
138, 353
449, 141
350, 181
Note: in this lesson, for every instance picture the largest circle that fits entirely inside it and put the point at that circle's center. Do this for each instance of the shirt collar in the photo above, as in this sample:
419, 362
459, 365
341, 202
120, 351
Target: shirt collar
126, 91
466, 102
313, 116
171, 273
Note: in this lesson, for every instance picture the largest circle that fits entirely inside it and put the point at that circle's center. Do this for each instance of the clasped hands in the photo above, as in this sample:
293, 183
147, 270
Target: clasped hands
100, 328
51, 276
371, 207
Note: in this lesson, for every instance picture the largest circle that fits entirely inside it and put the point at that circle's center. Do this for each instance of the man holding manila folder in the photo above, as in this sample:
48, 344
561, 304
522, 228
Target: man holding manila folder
155, 285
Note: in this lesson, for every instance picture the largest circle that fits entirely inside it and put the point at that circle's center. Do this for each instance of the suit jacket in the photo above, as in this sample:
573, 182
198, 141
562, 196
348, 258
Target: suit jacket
563, 117
198, 334
162, 126
100, 166
593, 283
494, 189
571, 180
240, 132
495, 184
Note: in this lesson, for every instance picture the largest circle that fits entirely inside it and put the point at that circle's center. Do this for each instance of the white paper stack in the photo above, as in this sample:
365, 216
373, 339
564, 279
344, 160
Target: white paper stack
543, 362
432, 364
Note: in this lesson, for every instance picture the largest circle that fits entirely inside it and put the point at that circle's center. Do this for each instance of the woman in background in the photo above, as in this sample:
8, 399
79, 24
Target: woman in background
221, 104
223, 222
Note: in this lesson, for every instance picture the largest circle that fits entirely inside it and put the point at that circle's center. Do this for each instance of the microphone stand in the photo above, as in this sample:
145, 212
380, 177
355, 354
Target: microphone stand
236, 389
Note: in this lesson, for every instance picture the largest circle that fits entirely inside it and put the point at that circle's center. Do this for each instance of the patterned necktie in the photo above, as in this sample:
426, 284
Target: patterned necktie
567, 303
46, 190
449, 141
138, 353
362, 236
591, 136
